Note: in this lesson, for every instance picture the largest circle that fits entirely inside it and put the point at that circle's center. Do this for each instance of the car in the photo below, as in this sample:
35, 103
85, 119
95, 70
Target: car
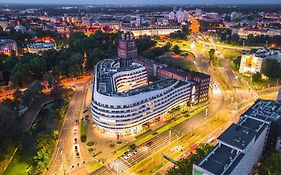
75, 140
77, 154
76, 147
75, 130
85, 110
135, 151
76, 121
126, 157
148, 144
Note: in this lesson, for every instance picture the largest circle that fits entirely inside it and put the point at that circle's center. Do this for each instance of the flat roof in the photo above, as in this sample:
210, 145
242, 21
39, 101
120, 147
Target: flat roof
237, 136
108, 67
221, 158
265, 110
225, 156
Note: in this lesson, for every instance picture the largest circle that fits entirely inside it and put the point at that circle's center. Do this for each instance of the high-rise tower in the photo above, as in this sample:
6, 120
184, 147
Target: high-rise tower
127, 50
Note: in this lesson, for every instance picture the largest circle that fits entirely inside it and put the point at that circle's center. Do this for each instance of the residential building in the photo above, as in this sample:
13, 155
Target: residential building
37, 48
151, 31
252, 63
7, 46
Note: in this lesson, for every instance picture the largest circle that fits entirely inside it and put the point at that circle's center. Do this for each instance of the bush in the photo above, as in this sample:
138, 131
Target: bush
83, 138
90, 144
133, 146
90, 149
55, 135
111, 145
119, 142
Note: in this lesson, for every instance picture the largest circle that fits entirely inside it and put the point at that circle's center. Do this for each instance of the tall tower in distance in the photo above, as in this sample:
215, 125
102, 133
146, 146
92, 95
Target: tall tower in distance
127, 50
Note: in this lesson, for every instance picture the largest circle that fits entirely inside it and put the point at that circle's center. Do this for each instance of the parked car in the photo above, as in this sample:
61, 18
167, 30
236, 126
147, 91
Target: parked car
148, 144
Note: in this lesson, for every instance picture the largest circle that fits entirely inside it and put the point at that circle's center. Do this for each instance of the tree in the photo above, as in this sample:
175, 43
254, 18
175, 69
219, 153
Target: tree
44, 146
270, 164
21, 75
176, 49
17, 97
211, 55
271, 68
33, 93
10, 130
145, 43
256, 77
237, 62
184, 166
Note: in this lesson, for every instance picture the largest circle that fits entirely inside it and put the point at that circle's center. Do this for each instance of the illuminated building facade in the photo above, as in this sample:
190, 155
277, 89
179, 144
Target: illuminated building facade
7, 46
194, 24
252, 63
123, 102
151, 31
37, 48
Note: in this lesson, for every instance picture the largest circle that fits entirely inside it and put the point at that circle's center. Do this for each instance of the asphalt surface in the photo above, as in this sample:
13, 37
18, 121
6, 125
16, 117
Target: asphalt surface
65, 159
162, 140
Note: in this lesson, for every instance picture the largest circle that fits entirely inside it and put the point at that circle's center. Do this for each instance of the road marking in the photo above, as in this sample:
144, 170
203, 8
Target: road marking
130, 165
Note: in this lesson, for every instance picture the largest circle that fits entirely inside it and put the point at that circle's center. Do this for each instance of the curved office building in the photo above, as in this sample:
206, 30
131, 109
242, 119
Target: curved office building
123, 101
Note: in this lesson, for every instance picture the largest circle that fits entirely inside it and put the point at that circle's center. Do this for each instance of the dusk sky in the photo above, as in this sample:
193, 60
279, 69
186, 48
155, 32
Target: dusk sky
145, 1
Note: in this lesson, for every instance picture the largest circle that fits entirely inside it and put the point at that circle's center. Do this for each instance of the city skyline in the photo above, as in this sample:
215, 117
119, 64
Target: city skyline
145, 2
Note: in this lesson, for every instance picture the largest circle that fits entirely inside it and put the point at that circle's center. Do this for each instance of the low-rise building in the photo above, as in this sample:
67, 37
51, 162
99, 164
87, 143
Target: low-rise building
151, 31
7, 46
37, 48
252, 63
245, 32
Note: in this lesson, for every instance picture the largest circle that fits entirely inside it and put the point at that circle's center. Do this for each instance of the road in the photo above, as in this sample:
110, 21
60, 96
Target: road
65, 159
163, 139
229, 73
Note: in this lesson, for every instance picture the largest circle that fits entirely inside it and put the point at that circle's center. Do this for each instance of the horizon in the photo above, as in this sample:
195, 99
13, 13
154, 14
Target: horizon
143, 2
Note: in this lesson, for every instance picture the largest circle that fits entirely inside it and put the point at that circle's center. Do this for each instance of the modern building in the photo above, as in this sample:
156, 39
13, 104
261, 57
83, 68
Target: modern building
238, 150
151, 31
252, 63
41, 47
7, 46
241, 145
123, 102
200, 81
270, 111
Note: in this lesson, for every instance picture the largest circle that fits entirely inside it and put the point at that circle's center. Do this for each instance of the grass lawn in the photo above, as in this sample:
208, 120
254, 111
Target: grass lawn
261, 84
93, 166
183, 62
20, 164
83, 128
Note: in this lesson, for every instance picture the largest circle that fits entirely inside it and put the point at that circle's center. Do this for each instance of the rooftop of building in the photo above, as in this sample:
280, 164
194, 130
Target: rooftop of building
224, 157
107, 68
6, 41
42, 45
265, 110
240, 135
265, 52
184, 73
221, 159
147, 28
